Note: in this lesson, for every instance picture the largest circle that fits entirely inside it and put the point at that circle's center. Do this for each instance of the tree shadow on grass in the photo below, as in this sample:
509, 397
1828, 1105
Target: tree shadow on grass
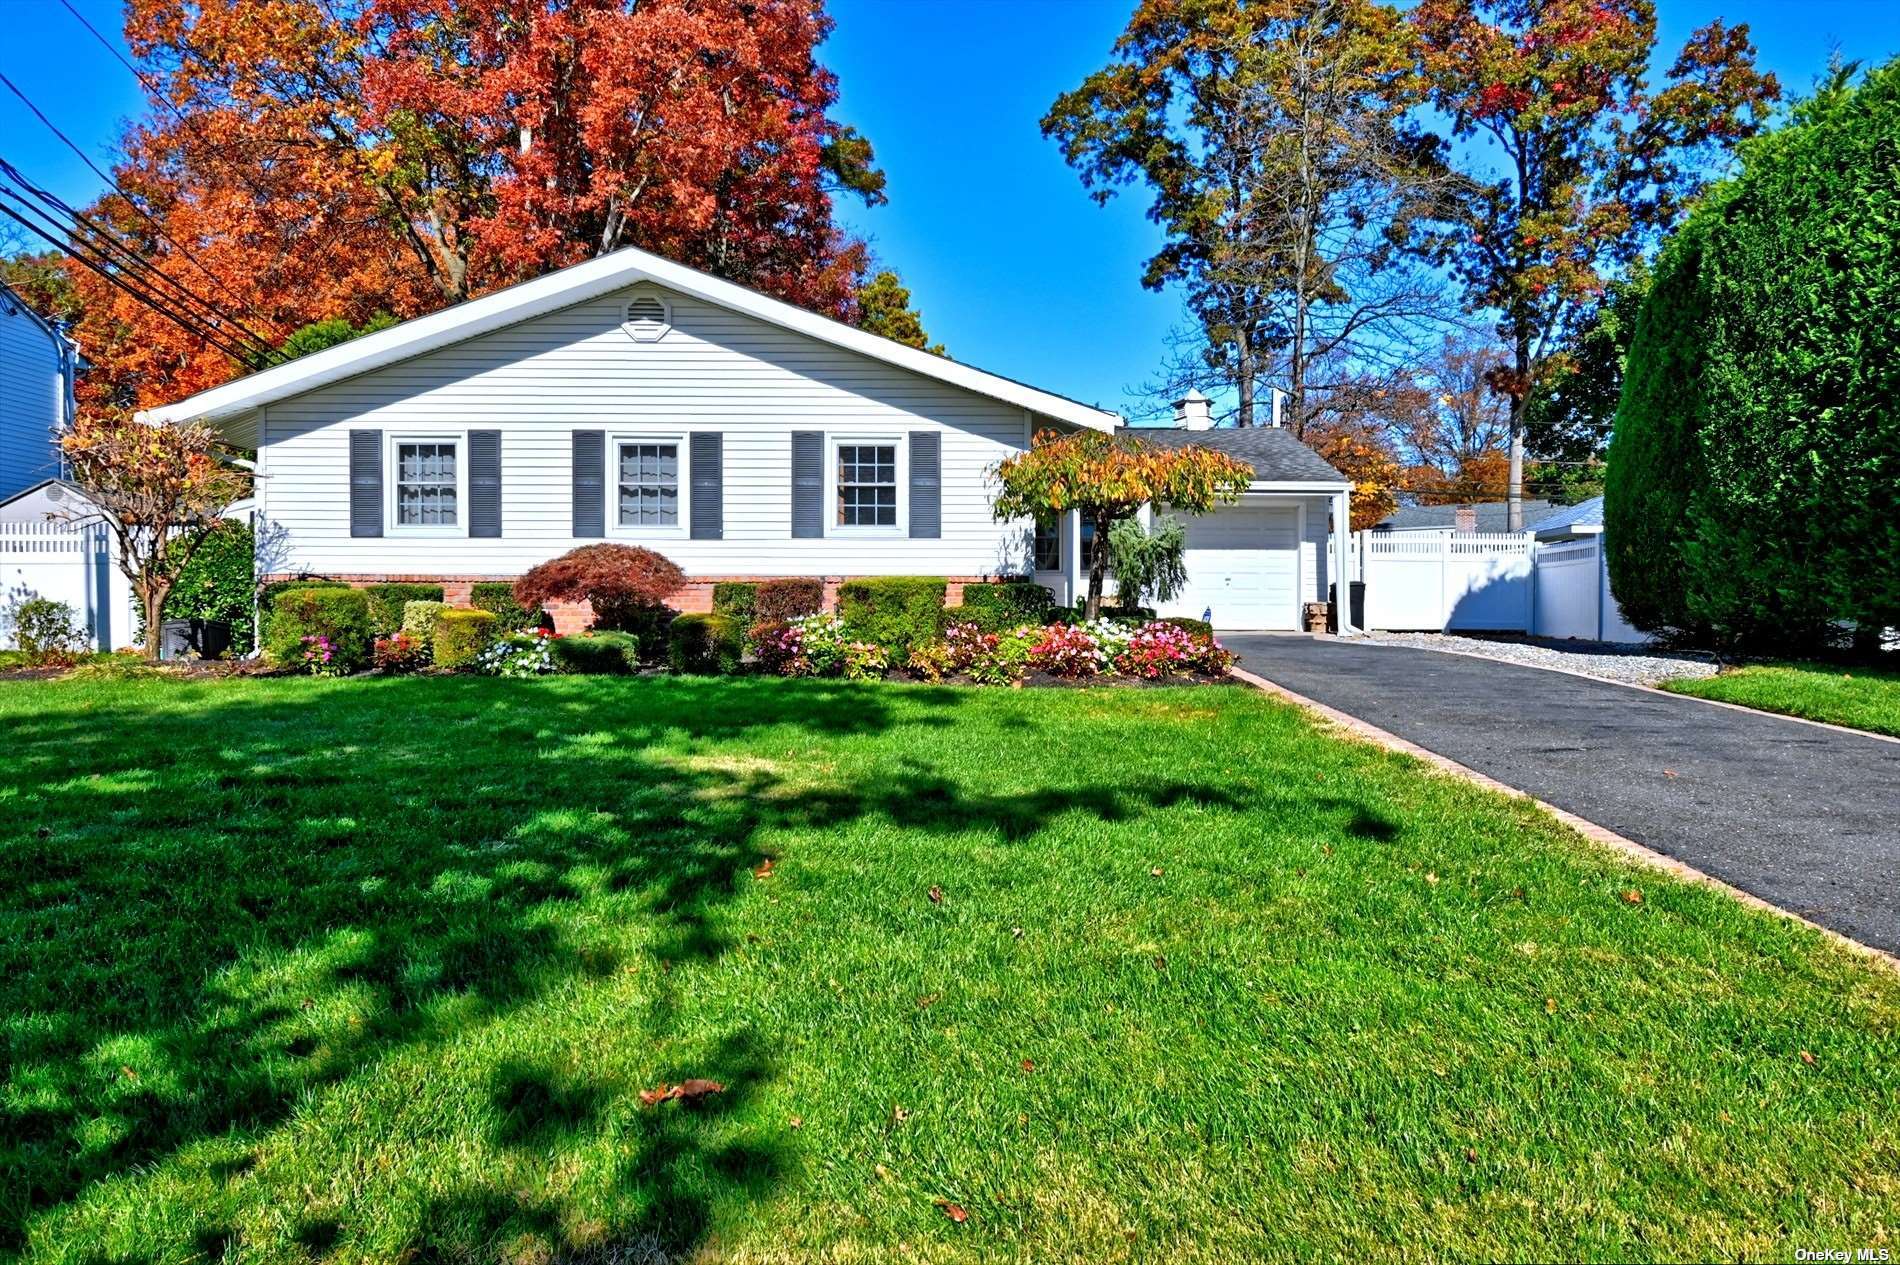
217, 901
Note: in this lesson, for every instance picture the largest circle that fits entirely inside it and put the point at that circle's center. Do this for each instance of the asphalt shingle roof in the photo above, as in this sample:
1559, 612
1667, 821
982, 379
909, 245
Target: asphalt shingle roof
1583, 514
1272, 452
1491, 516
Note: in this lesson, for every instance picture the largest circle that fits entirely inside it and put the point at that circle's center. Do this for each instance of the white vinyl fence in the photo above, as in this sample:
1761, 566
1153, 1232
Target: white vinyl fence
1487, 582
64, 563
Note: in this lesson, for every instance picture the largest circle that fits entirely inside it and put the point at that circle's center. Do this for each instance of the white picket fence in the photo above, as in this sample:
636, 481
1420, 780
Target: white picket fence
71, 564
1487, 582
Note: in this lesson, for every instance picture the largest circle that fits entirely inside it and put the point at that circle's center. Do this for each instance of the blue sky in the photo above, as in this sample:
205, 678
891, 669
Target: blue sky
1012, 265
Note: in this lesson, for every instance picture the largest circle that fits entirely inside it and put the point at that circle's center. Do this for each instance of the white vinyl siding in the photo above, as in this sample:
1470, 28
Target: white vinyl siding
579, 369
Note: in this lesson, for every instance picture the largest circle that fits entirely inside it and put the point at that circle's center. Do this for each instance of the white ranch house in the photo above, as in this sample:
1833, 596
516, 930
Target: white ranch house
631, 399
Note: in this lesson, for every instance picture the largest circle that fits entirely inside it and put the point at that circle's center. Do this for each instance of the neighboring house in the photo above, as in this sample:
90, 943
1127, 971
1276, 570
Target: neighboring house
1572, 522
632, 399
1573, 578
52, 547
37, 364
1486, 516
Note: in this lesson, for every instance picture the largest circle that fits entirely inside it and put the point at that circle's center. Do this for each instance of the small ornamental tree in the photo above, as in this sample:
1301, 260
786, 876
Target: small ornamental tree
1108, 477
159, 490
616, 580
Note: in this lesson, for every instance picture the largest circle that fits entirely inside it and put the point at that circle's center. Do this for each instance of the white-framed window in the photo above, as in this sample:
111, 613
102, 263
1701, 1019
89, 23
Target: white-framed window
1047, 550
649, 489
866, 473
427, 487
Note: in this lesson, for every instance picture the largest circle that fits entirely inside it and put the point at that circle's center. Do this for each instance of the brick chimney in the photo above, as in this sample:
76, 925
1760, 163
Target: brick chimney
1464, 518
1194, 411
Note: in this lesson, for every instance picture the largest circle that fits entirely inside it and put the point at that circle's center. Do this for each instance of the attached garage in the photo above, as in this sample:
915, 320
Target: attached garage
1254, 565
1243, 565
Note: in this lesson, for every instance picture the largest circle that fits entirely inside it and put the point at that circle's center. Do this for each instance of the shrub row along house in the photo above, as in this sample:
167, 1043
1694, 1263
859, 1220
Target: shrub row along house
632, 399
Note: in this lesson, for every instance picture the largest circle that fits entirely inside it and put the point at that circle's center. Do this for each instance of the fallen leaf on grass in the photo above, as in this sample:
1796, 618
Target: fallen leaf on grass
1471, 1155
765, 869
1632, 897
928, 1000
1550, 1005
1029, 1065
1157, 871
1161, 963
1431, 878
1807, 1058
899, 1115
884, 1174
1017, 932
690, 1090
797, 1122
936, 895
953, 1211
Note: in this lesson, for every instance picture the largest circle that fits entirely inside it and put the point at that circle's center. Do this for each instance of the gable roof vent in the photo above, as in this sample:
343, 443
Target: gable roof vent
647, 319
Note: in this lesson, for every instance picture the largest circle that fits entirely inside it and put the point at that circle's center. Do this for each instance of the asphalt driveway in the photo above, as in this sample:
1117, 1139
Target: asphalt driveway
1801, 816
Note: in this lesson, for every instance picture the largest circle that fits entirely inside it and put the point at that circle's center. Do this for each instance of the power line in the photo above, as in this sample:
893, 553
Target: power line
77, 224
130, 200
121, 283
137, 74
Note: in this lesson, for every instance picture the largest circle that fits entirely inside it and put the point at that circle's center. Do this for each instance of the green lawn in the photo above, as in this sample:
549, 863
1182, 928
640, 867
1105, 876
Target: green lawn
376, 969
1860, 698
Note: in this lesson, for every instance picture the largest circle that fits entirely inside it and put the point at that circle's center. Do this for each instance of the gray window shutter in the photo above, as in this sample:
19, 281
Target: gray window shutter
808, 484
366, 483
590, 483
926, 485
484, 483
709, 486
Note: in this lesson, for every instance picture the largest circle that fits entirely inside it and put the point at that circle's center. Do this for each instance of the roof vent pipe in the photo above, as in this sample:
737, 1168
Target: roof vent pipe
1194, 411
1279, 407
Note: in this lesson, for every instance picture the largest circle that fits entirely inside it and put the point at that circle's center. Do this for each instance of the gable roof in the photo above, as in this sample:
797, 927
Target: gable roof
11, 303
1585, 518
1276, 457
1492, 516
577, 284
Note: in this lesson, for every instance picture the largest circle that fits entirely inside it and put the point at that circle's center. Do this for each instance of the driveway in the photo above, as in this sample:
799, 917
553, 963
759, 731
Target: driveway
1804, 817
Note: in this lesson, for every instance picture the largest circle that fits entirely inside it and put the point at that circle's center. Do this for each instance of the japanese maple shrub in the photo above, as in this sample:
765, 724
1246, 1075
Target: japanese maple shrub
625, 584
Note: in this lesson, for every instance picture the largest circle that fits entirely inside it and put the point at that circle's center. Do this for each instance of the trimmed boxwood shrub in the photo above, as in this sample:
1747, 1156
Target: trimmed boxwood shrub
387, 600
418, 619
709, 645
461, 636
498, 598
895, 612
738, 600
341, 614
647, 625
1010, 604
267, 599
597, 653
781, 601
1199, 627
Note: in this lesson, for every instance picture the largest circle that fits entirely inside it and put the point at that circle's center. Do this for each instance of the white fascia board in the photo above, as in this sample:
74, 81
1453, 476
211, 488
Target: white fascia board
1311, 488
578, 284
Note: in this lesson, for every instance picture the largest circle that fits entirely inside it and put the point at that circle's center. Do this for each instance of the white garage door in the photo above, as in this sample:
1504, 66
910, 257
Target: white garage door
1243, 563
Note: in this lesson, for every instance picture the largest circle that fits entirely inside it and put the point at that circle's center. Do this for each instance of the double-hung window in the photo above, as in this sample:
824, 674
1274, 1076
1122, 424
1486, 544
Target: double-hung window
867, 485
649, 484
427, 483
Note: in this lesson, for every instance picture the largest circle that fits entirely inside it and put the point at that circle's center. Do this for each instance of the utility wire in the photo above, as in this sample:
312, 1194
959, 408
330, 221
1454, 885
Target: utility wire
119, 282
77, 224
130, 200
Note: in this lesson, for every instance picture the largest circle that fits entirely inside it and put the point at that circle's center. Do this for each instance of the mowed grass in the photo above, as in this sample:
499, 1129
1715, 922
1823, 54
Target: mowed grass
299, 970
1860, 698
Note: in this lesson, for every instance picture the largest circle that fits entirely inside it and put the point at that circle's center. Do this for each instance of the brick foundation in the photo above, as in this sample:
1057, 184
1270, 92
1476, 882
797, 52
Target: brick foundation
695, 596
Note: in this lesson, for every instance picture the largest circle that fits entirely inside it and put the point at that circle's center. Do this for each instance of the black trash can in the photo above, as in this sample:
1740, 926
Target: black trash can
186, 638
1356, 594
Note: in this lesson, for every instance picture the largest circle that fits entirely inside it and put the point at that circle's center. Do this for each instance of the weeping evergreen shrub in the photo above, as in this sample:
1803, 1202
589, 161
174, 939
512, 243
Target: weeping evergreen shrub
1757, 445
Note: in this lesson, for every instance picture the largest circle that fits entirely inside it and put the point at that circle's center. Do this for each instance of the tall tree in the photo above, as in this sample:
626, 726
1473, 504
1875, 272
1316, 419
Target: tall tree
884, 308
1578, 166
1275, 138
1573, 406
304, 160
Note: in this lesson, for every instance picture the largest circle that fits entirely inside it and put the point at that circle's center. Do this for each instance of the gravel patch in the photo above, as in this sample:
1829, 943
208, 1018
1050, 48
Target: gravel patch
1612, 661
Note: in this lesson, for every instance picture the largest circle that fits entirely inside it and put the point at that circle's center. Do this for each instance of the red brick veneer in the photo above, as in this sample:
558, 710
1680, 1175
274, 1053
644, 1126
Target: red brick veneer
694, 595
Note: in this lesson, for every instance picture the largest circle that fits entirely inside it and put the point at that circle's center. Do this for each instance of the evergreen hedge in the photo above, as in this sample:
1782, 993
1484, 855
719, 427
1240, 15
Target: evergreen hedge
1753, 473
895, 612
497, 597
706, 645
341, 614
387, 600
